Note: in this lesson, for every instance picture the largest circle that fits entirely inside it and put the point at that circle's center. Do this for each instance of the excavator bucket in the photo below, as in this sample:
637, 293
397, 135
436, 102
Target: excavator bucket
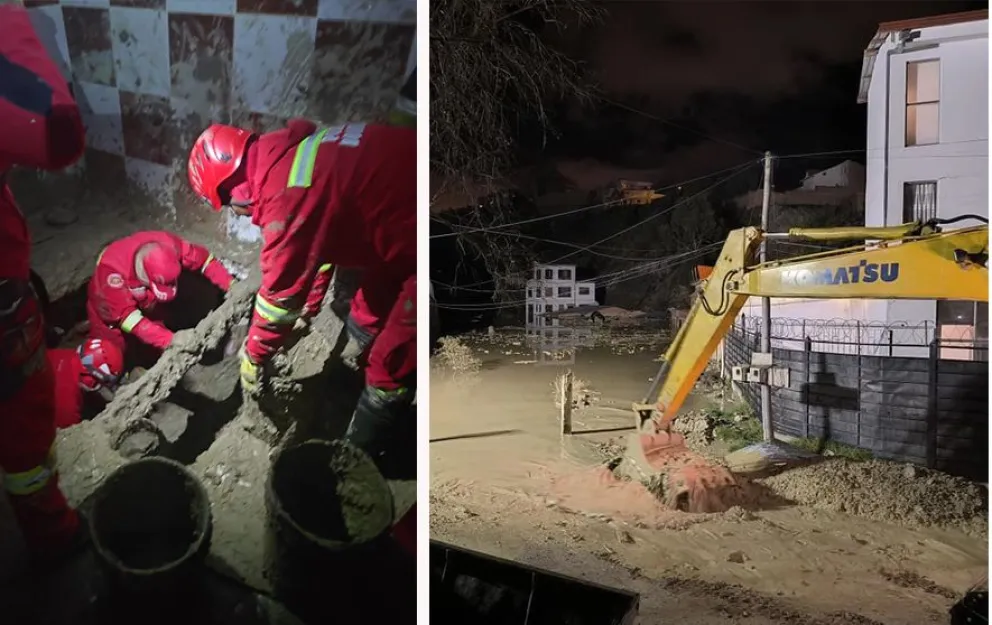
679, 477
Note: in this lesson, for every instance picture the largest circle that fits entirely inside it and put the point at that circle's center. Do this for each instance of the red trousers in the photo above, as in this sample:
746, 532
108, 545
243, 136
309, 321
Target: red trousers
27, 437
385, 306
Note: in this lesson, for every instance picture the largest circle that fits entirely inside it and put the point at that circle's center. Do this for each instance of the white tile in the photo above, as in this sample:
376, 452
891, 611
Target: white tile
50, 28
202, 7
392, 11
273, 55
140, 40
155, 179
100, 108
86, 3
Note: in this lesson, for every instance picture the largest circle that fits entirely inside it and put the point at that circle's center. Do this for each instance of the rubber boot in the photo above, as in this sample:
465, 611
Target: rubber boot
356, 350
376, 426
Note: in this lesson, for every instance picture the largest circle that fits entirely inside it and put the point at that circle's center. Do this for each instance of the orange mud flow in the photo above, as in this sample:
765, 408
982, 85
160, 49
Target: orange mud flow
683, 479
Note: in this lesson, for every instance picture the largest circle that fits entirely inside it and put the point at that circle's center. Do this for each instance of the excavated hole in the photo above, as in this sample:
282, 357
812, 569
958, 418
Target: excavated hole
206, 399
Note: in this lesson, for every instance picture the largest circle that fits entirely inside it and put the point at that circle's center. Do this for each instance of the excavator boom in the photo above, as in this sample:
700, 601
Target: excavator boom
914, 261
946, 265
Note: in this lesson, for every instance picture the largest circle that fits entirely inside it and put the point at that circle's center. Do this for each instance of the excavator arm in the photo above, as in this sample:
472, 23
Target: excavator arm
914, 261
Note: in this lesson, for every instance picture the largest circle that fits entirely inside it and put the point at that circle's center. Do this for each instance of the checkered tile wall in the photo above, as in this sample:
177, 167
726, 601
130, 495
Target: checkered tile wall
149, 75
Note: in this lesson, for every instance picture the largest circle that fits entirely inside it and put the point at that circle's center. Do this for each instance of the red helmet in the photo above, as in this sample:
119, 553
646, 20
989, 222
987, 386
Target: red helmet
103, 364
162, 267
215, 157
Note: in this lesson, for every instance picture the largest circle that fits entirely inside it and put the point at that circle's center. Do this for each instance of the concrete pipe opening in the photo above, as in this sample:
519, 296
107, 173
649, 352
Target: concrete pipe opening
329, 512
150, 518
329, 494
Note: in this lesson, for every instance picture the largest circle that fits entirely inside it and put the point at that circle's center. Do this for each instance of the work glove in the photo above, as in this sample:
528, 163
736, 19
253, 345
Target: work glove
251, 373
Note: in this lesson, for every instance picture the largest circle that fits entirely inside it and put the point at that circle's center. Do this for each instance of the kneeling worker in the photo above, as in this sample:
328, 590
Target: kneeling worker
137, 274
85, 377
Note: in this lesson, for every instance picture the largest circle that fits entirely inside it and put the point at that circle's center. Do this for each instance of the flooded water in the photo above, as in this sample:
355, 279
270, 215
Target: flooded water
503, 422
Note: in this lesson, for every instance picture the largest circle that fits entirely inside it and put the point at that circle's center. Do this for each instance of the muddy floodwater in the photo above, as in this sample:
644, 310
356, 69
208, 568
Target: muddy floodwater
498, 467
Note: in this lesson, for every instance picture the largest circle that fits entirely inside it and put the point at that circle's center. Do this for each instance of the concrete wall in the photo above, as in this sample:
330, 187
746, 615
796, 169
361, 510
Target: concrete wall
149, 75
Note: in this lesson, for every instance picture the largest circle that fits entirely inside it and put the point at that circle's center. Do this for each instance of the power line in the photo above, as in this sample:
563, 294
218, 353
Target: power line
737, 169
740, 170
519, 223
570, 212
612, 279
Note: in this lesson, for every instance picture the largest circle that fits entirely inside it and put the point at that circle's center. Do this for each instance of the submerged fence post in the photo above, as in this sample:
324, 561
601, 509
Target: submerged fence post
932, 419
565, 382
808, 349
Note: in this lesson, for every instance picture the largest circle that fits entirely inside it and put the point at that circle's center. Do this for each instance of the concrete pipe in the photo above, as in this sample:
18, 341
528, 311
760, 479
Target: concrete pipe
329, 513
151, 528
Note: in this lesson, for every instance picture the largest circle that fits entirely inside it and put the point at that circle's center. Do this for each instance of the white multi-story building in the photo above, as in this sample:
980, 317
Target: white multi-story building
925, 83
554, 288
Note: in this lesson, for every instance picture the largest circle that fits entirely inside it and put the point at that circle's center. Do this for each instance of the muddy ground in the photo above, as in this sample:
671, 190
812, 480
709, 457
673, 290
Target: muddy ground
503, 483
207, 424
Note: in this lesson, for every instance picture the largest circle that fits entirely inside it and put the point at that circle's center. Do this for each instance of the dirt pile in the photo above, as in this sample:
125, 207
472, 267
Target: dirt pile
888, 492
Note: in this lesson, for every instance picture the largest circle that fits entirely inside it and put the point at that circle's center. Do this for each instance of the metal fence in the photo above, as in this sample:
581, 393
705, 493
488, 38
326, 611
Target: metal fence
868, 338
931, 410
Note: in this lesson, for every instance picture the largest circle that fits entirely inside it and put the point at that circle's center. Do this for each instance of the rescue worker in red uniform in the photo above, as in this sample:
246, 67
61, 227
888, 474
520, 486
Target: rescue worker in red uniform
86, 375
137, 274
41, 128
325, 197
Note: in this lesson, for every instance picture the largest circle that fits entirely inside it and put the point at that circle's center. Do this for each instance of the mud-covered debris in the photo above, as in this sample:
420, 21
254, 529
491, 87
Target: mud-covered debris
881, 491
909, 579
737, 513
136, 400
697, 427
737, 557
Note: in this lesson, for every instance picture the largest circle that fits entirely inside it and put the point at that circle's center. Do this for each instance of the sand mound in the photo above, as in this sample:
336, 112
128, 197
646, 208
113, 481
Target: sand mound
888, 492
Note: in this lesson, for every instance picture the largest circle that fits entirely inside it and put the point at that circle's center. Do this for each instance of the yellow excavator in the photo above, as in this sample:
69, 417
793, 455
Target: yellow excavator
912, 261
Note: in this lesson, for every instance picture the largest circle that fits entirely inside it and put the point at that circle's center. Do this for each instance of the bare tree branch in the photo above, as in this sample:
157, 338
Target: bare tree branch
492, 71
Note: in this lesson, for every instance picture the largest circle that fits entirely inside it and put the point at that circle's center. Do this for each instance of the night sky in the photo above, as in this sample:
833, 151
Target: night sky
712, 85
764, 75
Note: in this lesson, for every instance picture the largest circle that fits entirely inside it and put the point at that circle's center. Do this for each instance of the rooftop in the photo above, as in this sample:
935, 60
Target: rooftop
887, 28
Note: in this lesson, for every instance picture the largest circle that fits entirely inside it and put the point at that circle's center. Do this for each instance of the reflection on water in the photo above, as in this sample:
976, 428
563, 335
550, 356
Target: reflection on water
558, 345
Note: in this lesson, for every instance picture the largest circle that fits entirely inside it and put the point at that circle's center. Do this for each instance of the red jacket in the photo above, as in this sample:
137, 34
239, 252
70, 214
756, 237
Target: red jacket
67, 369
359, 209
117, 296
41, 126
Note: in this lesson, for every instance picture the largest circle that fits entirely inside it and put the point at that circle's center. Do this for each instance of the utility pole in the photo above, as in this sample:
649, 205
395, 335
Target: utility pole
766, 306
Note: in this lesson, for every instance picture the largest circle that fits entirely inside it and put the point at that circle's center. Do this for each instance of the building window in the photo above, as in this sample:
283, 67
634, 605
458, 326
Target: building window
549, 274
583, 290
963, 330
919, 201
564, 274
530, 315
548, 291
922, 103
564, 291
